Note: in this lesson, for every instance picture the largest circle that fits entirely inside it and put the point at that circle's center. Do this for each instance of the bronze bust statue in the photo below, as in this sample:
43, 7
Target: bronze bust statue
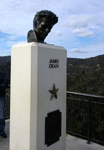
42, 25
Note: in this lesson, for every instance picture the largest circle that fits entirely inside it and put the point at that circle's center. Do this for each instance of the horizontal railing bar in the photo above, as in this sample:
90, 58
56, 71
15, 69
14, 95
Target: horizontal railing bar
84, 100
97, 102
97, 141
76, 134
77, 99
83, 94
68, 132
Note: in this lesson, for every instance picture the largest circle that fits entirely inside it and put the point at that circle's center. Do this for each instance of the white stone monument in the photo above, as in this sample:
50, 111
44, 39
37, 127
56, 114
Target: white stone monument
38, 97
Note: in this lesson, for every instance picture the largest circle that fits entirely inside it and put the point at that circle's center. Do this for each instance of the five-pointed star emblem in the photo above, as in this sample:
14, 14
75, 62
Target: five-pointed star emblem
53, 92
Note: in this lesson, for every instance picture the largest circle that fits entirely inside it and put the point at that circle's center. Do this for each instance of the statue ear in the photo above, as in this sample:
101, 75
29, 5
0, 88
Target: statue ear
31, 36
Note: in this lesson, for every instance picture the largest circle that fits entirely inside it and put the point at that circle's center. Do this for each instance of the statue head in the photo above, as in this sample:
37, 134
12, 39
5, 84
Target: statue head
43, 22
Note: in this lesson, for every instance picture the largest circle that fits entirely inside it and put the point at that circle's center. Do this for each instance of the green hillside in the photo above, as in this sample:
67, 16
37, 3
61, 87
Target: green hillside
86, 75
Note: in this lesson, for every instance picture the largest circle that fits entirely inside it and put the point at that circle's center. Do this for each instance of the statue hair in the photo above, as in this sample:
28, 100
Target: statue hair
46, 14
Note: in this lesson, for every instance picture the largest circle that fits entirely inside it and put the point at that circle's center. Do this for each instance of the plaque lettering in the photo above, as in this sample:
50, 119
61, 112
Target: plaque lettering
54, 63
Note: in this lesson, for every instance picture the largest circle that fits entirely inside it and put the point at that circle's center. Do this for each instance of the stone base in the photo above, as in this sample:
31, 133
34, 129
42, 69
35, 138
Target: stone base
38, 117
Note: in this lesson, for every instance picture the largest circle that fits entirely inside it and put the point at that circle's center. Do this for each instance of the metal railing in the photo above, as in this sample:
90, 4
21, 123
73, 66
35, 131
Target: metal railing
85, 118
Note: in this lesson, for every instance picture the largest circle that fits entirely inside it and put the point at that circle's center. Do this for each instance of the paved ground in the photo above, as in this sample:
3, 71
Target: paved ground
72, 143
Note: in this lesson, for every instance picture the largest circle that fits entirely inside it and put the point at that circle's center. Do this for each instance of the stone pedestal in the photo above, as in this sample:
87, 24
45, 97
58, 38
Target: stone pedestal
38, 97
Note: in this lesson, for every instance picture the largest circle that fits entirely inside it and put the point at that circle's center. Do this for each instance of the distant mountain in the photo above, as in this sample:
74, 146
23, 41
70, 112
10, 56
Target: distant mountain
78, 61
4, 59
5, 63
83, 75
93, 61
73, 59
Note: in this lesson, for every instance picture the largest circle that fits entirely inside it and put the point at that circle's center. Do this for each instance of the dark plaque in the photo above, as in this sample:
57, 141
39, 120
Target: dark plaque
53, 127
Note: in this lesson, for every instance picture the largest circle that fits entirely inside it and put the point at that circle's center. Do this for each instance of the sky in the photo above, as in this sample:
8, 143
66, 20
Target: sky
80, 27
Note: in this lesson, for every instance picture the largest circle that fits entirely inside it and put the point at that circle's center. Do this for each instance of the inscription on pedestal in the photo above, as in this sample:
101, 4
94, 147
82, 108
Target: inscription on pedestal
53, 127
54, 63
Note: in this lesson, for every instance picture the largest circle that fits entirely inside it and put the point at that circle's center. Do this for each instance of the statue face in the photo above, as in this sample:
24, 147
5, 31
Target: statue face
44, 28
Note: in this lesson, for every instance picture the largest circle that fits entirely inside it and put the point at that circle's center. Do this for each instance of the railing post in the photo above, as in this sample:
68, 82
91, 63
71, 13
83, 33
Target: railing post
88, 137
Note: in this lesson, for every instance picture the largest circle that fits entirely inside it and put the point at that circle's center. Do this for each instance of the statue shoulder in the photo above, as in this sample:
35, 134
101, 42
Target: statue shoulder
31, 36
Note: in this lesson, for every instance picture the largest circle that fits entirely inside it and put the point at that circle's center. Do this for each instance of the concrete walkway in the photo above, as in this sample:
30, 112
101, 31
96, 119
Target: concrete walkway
72, 143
